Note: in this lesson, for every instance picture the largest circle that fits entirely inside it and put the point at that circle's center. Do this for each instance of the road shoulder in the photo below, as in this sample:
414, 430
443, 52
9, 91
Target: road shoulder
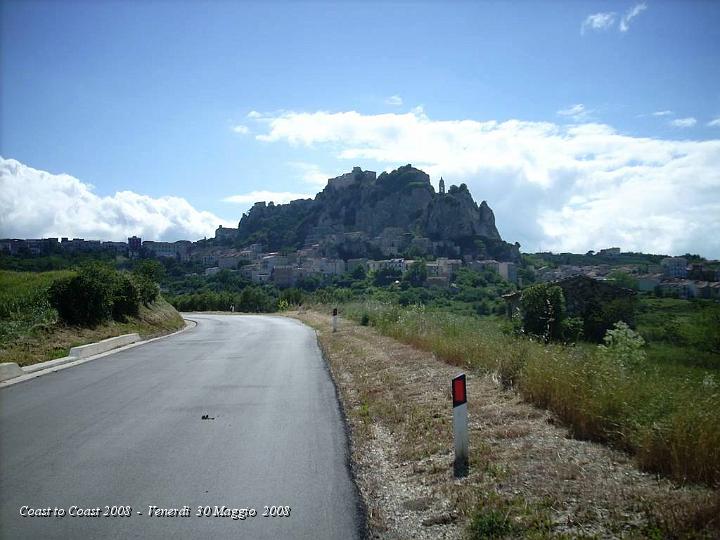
528, 477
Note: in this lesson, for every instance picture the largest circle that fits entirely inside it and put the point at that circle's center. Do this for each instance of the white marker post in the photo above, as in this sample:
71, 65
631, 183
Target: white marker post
460, 426
334, 320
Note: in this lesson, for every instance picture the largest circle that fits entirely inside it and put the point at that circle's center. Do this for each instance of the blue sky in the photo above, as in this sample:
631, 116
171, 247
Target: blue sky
558, 113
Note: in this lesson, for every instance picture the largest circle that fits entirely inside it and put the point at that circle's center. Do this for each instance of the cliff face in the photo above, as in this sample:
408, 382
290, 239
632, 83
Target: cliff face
400, 208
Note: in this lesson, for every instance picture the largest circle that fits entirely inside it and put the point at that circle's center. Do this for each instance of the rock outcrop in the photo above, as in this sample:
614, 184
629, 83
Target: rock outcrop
359, 214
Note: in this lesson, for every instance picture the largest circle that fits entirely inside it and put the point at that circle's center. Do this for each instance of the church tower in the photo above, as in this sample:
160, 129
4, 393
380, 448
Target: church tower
442, 186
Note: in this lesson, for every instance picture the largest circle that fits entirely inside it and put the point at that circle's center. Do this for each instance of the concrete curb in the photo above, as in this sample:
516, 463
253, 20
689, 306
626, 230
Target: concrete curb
52, 366
91, 349
9, 370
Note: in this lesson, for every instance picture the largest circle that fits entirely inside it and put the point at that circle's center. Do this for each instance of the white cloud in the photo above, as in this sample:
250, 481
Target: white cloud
715, 122
35, 203
311, 173
633, 12
278, 197
242, 130
683, 122
598, 21
254, 114
662, 113
576, 112
561, 187
394, 100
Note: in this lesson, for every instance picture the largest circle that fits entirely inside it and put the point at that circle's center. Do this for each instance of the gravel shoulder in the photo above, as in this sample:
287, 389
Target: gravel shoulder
528, 478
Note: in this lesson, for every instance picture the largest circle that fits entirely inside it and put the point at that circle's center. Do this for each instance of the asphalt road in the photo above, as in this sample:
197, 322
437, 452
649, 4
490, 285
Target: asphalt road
127, 430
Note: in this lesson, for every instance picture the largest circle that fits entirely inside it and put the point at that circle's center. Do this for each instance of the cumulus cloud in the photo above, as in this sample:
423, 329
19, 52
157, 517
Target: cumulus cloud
561, 187
683, 122
240, 129
715, 122
633, 12
576, 112
278, 197
394, 100
598, 21
35, 203
662, 113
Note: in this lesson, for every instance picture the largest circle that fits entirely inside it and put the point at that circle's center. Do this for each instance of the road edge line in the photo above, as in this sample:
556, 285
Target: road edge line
361, 508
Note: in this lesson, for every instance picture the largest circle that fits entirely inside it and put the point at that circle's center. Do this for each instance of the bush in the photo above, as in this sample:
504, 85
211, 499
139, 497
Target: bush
95, 295
125, 299
623, 347
148, 290
85, 299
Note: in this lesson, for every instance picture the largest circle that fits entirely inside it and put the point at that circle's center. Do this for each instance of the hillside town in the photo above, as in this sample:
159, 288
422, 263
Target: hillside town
672, 276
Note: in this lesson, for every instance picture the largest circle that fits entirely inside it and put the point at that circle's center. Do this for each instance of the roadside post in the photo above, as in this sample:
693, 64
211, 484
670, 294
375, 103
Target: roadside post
334, 320
460, 426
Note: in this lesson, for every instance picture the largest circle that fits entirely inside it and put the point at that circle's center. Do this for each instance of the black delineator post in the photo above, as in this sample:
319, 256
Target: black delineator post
460, 427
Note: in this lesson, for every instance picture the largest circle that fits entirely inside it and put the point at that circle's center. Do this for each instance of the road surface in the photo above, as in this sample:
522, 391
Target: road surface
127, 431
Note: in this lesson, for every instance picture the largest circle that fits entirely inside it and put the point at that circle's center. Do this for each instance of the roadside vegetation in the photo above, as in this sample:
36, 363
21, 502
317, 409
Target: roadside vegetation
666, 413
528, 478
44, 314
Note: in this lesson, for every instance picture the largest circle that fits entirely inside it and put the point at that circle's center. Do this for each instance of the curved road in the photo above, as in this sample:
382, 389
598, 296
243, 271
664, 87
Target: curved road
127, 430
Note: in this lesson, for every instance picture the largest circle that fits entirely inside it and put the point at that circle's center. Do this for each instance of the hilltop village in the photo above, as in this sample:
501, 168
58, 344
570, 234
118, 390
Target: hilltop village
368, 224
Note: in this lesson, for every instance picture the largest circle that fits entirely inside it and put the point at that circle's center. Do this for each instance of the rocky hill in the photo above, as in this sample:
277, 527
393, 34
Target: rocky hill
397, 213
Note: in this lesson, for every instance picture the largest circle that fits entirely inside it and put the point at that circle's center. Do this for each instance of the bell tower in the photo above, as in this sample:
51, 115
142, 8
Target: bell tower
442, 186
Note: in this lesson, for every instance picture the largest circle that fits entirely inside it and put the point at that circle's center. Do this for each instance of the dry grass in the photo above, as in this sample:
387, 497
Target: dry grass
528, 476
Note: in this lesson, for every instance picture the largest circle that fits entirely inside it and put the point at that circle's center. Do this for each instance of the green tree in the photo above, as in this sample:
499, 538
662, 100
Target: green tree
543, 308
416, 275
623, 279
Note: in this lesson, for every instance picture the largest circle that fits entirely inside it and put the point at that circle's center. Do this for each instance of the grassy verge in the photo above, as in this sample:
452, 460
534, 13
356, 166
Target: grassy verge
29, 327
668, 415
528, 478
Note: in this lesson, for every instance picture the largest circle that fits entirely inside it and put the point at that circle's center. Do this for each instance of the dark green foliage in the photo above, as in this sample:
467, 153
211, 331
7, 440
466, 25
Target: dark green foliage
543, 308
125, 297
572, 329
403, 178
85, 299
293, 296
358, 272
600, 316
386, 276
97, 293
151, 269
277, 226
623, 279
416, 274
148, 290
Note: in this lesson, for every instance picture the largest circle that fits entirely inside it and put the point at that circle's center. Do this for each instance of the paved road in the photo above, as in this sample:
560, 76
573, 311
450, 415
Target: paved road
126, 430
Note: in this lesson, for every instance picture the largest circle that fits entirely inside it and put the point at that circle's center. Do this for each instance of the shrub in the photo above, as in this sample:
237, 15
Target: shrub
125, 299
96, 294
85, 299
623, 346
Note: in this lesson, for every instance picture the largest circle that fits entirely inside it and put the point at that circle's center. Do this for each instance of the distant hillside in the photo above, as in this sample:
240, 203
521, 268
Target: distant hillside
359, 215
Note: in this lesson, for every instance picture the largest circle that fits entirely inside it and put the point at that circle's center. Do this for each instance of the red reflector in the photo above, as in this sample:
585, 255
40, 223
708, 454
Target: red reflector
458, 390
